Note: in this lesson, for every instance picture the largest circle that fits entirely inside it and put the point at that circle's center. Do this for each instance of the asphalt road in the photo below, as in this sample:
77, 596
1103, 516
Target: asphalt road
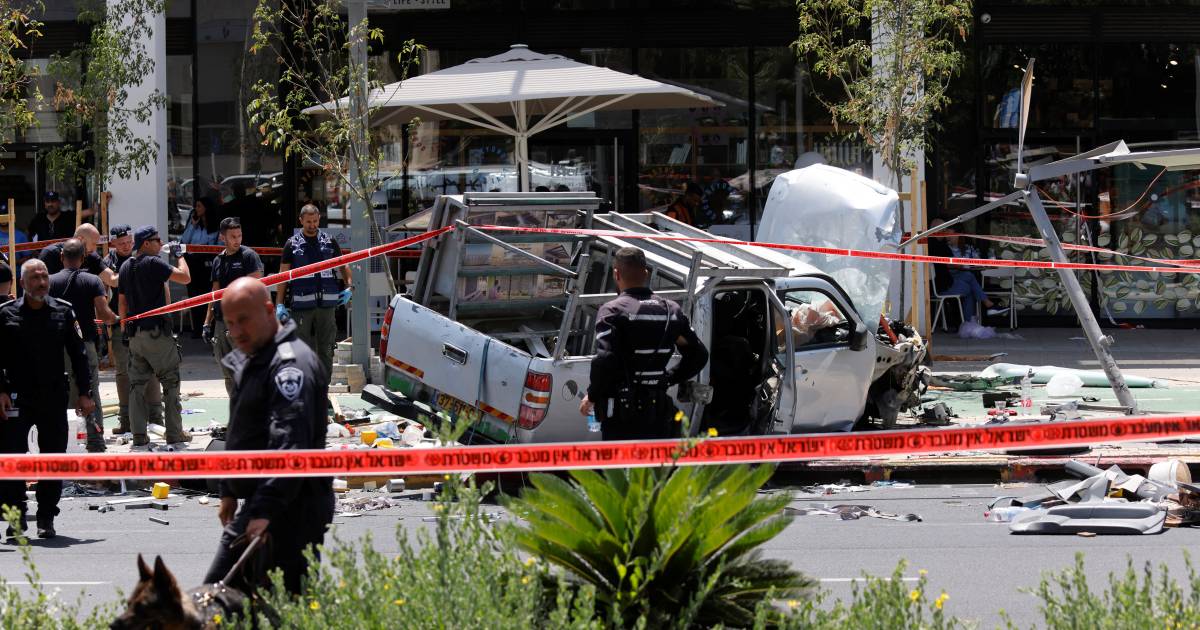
980, 565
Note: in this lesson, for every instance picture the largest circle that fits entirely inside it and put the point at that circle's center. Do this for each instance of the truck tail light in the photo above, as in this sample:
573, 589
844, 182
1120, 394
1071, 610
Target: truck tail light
383, 333
535, 399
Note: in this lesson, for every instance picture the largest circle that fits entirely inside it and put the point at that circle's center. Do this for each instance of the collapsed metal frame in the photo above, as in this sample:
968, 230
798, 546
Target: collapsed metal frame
1026, 192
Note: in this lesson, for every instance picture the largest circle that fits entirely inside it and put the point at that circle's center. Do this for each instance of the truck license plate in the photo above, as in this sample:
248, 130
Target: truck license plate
458, 409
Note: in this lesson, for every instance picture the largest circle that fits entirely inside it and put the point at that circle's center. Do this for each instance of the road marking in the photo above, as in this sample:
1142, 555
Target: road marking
58, 583
858, 579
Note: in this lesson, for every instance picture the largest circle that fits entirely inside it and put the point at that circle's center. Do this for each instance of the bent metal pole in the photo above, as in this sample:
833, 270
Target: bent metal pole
1087, 320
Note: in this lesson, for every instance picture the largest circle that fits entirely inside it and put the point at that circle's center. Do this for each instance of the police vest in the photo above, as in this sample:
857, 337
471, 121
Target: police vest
317, 289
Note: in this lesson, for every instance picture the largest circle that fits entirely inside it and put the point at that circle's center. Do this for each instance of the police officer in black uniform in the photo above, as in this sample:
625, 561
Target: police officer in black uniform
636, 335
35, 330
278, 403
235, 262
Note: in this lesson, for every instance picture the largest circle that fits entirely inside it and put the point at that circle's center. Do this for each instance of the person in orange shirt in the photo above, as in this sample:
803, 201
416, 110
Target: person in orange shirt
684, 208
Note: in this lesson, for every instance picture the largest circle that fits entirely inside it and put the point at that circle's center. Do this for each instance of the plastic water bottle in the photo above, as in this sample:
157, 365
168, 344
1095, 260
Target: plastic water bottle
593, 424
1027, 393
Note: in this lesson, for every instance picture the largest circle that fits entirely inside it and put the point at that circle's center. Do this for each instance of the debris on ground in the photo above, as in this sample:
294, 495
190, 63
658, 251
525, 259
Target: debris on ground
841, 487
1042, 375
937, 415
849, 512
1099, 501
972, 382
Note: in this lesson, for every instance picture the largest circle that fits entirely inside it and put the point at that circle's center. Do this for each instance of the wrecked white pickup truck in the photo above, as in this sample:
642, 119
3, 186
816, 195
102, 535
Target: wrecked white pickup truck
497, 327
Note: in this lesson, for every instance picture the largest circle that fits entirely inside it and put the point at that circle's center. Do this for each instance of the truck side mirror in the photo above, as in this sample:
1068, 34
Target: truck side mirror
859, 337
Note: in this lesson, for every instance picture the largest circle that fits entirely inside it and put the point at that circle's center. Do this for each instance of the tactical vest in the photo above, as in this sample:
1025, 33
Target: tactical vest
317, 289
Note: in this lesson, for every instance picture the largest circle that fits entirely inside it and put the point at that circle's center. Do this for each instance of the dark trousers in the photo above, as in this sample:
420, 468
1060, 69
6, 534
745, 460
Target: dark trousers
47, 411
302, 525
643, 415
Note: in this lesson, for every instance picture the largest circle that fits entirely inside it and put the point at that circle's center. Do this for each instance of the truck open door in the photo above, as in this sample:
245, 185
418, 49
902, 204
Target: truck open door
784, 364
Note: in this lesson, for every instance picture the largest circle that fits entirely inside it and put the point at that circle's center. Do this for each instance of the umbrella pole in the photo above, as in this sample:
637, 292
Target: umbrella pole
522, 148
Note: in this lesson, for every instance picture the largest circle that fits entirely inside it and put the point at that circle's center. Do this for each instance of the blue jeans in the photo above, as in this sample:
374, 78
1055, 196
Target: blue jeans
966, 285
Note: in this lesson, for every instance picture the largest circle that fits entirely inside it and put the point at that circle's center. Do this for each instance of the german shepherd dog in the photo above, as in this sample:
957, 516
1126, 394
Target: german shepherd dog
157, 603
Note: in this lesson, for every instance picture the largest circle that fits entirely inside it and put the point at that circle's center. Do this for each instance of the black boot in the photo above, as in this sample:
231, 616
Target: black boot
45, 527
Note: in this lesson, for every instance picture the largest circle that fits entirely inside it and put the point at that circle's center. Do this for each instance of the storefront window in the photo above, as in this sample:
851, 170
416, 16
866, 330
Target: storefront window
794, 129
180, 145
1037, 291
1063, 87
1149, 86
1152, 214
704, 148
234, 164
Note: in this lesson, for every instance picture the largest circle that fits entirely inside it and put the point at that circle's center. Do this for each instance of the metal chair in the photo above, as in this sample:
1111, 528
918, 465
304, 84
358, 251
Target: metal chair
941, 302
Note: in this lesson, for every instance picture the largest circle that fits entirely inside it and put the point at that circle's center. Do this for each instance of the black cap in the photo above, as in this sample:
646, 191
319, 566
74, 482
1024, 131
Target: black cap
143, 233
52, 196
117, 231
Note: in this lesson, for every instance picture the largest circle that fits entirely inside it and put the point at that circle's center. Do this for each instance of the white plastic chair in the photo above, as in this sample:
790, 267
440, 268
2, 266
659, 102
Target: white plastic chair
1010, 294
941, 303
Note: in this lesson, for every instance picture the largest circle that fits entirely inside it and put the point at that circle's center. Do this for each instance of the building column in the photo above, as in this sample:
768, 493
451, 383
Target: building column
142, 199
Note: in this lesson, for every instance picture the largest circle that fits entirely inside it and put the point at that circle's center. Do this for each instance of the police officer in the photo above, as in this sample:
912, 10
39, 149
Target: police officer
120, 241
36, 332
152, 347
86, 295
278, 403
235, 262
315, 298
92, 263
636, 335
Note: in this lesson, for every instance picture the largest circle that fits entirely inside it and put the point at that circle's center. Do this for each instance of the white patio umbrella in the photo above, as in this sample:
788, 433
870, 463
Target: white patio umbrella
519, 84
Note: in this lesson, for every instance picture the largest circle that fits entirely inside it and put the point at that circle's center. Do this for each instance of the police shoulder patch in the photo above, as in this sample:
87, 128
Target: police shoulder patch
289, 381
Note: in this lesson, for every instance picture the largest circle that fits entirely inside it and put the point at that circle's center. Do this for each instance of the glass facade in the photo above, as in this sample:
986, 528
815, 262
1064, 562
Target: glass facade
1103, 74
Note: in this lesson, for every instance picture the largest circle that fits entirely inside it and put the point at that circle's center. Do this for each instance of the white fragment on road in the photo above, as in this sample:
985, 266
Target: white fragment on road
858, 579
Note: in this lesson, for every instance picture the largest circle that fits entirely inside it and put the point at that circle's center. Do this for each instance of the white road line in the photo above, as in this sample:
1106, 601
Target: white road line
845, 580
58, 583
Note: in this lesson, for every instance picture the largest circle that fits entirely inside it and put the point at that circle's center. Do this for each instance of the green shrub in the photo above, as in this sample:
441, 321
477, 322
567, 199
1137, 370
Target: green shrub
463, 574
672, 547
880, 603
33, 608
1134, 599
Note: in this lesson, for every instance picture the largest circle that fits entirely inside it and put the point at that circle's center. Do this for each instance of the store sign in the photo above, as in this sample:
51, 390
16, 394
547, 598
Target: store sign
407, 5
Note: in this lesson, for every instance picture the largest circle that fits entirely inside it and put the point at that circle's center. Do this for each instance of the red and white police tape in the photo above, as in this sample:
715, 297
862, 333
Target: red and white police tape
1181, 266
633, 454
298, 272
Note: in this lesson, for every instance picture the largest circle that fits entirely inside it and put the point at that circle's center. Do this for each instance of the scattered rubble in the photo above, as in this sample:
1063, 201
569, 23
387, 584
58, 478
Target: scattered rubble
1104, 502
849, 512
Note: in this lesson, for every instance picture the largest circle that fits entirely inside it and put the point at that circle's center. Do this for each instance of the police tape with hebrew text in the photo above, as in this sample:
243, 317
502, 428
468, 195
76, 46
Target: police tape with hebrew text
533, 457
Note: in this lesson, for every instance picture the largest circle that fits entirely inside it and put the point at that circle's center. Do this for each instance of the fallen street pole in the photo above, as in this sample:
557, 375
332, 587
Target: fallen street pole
593, 455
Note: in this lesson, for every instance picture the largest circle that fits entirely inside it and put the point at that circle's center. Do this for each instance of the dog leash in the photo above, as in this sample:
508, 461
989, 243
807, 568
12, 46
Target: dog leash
237, 566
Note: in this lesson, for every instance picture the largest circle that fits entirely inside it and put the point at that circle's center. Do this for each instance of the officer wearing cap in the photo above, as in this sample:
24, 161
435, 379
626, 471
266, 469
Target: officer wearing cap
235, 262
36, 332
316, 297
636, 335
86, 295
278, 403
152, 347
120, 242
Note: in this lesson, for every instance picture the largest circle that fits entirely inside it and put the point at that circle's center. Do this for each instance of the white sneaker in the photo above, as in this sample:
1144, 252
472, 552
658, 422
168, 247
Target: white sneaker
998, 310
